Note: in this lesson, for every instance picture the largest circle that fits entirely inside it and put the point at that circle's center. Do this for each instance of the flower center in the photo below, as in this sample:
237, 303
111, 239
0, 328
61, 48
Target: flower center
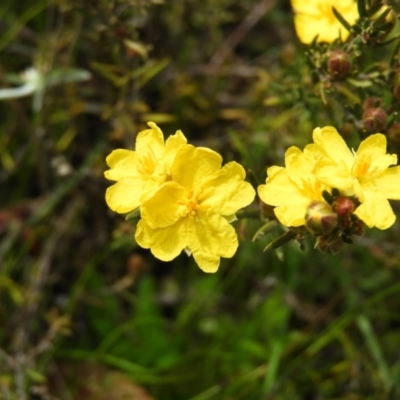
326, 11
149, 166
191, 203
362, 166
312, 189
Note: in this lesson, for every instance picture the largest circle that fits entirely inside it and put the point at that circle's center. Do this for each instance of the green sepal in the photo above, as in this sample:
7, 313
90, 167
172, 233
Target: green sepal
347, 240
327, 197
135, 214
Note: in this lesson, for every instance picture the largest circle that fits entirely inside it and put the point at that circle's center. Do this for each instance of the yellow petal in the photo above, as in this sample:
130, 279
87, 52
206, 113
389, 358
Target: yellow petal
373, 146
388, 183
332, 146
124, 196
226, 192
376, 211
165, 206
333, 175
313, 7
372, 153
294, 213
298, 166
123, 165
279, 189
307, 28
209, 239
172, 145
383, 162
164, 243
151, 140
315, 17
192, 165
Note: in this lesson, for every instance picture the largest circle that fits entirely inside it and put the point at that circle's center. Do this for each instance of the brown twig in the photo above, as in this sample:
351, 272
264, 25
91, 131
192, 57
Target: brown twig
240, 32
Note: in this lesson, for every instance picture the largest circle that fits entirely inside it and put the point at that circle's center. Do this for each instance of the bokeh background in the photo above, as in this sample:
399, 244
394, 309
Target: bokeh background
84, 312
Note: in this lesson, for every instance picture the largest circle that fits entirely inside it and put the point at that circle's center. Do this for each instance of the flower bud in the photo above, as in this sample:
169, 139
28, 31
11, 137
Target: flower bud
329, 244
357, 228
374, 120
393, 133
320, 219
343, 206
339, 64
371, 102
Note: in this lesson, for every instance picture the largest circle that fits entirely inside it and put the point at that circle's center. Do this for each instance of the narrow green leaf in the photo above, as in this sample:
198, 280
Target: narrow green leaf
382, 17
273, 365
341, 19
360, 84
361, 8
364, 325
266, 228
389, 41
374, 9
280, 241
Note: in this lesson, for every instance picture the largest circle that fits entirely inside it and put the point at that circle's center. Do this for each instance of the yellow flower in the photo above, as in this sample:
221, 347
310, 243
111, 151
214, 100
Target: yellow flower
192, 211
364, 174
315, 17
138, 173
292, 189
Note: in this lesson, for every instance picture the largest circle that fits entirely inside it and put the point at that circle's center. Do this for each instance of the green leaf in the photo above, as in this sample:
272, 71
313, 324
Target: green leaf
372, 341
280, 241
266, 228
382, 17
388, 41
361, 8
374, 9
360, 84
341, 19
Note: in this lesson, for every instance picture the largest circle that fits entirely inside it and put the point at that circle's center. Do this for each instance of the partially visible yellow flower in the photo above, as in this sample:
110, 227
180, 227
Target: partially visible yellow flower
192, 211
138, 173
364, 174
292, 189
315, 17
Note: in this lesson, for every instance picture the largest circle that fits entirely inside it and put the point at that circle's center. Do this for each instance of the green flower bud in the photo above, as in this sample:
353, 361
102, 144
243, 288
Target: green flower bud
343, 206
374, 120
393, 133
330, 244
339, 64
320, 219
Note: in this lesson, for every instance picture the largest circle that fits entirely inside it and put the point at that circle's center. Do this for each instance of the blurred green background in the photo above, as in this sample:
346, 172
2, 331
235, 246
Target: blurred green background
84, 312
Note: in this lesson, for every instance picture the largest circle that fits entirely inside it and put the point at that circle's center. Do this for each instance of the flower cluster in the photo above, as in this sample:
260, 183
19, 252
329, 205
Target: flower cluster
355, 186
186, 198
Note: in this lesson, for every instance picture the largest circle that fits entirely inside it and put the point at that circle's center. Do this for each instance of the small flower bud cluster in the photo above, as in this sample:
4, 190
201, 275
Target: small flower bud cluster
333, 224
